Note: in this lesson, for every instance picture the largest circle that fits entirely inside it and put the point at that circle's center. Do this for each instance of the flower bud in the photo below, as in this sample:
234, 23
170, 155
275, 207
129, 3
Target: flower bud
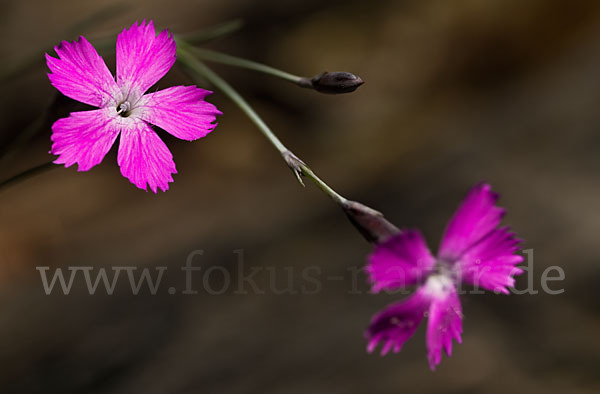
371, 223
336, 82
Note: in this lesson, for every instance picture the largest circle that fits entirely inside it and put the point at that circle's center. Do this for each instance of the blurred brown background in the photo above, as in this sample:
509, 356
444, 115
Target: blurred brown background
456, 92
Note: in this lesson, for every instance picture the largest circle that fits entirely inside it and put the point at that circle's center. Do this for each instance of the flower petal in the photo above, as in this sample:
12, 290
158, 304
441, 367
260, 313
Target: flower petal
445, 319
84, 138
180, 110
491, 263
81, 74
400, 261
473, 220
397, 323
143, 58
144, 158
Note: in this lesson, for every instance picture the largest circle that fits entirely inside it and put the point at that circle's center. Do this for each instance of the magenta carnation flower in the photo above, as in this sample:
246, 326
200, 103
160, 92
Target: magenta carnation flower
473, 250
143, 58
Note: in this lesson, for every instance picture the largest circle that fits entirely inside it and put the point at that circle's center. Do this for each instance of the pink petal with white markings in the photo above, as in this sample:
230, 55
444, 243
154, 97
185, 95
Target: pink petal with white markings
397, 323
81, 74
142, 59
84, 137
445, 318
402, 260
491, 263
474, 219
180, 110
144, 158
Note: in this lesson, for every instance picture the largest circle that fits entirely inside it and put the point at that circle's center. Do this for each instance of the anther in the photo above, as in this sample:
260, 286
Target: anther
124, 107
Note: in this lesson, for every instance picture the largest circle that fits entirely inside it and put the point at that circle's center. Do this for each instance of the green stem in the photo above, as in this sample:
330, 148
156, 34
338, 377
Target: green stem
298, 166
214, 32
33, 60
200, 68
307, 172
25, 135
31, 172
218, 57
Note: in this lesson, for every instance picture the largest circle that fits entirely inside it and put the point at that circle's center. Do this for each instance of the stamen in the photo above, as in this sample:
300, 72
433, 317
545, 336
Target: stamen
124, 107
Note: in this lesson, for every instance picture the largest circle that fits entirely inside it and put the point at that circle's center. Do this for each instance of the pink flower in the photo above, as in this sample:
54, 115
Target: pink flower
473, 250
142, 59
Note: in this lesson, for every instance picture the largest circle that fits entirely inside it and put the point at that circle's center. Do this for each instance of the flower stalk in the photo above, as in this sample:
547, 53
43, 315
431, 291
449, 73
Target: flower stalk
327, 82
218, 57
31, 61
369, 222
214, 32
185, 55
29, 173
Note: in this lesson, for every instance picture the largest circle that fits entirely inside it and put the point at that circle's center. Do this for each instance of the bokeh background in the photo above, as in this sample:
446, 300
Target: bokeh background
456, 92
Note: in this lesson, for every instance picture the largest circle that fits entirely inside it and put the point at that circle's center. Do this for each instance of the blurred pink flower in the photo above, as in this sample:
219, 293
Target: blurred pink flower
143, 58
473, 250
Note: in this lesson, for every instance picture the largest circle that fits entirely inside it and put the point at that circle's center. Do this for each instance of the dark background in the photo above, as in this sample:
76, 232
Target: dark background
456, 92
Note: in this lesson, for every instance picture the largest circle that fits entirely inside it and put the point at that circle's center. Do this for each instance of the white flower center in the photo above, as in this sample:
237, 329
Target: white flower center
438, 286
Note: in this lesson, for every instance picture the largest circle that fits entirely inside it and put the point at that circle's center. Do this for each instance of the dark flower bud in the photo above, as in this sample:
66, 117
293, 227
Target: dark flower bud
371, 223
334, 82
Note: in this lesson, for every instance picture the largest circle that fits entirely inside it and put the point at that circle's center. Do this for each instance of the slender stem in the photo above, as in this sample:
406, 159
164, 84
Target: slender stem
297, 165
200, 68
214, 32
306, 171
25, 135
218, 57
31, 172
102, 15
35, 59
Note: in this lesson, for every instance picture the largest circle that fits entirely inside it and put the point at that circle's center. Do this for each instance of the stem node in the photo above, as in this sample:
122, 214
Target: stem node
295, 165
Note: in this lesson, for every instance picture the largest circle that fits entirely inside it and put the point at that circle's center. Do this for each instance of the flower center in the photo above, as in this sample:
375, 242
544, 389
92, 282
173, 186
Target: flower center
123, 109
438, 285
444, 267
